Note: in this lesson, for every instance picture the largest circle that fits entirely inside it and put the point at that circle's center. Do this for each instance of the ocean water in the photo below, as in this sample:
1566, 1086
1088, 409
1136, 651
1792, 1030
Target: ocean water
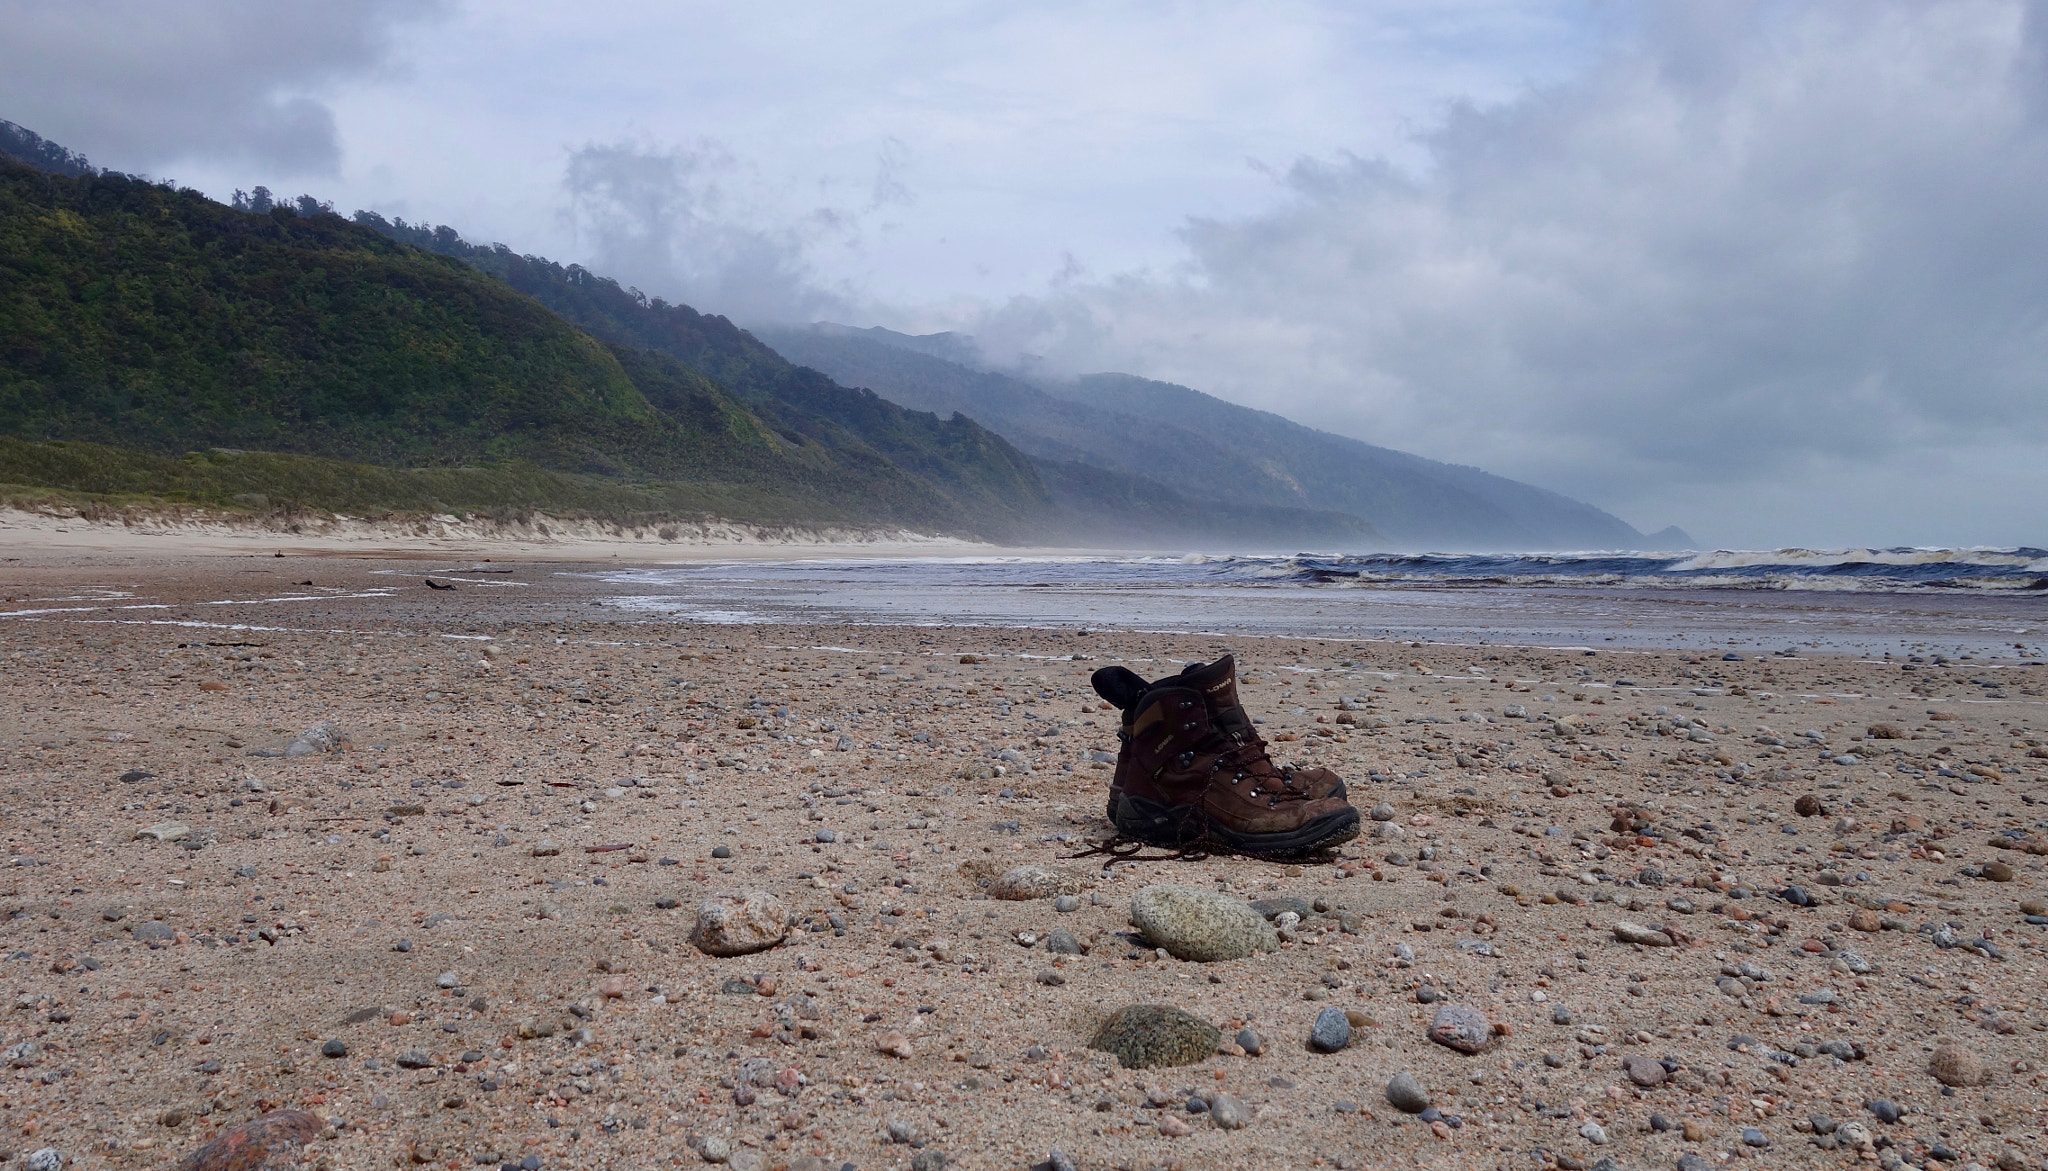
1983, 602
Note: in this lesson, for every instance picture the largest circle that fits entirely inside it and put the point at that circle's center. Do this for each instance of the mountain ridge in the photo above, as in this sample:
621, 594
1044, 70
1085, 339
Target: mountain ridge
1191, 442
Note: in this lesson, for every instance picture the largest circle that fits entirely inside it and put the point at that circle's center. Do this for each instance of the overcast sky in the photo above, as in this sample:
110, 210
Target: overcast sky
1774, 272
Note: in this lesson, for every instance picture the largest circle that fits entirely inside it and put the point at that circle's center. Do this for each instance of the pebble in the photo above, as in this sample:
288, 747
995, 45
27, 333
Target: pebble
1332, 1031
1060, 941
1884, 1110
1249, 1042
1200, 925
1637, 933
1143, 1036
447, 980
1560, 1015
1691, 1162
334, 1048
1273, 908
1593, 1133
271, 1140
50, 1159
1427, 995
1228, 1112
1024, 883
721, 852
1383, 812
1751, 1136
1461, 1027
929, 1159
1645, 1071
1058, 1160
715, 1150
1172, 1126
1405, 1093
1066, 903
1997, 871
732, 924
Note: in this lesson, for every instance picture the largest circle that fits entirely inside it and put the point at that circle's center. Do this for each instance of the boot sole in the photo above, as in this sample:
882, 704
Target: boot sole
1157, 824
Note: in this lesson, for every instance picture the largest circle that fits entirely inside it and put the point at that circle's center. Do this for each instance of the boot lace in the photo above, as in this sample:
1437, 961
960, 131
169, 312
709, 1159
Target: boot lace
1246, 759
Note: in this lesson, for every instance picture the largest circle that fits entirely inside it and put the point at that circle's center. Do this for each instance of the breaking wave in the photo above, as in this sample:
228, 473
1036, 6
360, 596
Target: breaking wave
1862, 570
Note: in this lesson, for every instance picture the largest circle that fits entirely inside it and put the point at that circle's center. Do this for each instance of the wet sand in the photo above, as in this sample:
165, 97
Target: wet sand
495, 927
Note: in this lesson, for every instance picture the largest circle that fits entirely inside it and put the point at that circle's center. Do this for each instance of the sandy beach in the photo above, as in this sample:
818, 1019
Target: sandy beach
1702, 902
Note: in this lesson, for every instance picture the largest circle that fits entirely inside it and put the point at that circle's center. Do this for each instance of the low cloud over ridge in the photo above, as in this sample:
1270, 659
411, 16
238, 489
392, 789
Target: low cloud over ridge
1788, 261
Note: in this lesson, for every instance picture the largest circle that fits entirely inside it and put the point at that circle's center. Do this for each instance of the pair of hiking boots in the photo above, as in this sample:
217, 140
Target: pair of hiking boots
1192, 770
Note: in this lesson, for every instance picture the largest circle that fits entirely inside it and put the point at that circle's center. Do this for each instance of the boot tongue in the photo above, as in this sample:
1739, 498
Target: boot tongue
1217, 682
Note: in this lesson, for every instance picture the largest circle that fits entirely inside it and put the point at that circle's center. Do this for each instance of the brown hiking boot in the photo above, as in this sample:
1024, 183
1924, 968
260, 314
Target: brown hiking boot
1217, 682
1181, 778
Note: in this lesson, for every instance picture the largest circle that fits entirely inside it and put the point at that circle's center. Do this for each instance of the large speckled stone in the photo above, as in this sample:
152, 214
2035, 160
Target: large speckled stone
1146, 1035
1953, 1064
1200, 925
734, 924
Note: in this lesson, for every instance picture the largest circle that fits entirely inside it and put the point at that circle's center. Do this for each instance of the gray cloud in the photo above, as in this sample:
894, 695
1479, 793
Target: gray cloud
1755, 254
700, 225
139, 84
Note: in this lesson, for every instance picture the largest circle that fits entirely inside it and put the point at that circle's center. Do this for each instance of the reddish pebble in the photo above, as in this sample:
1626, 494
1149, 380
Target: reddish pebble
256, 1144
1813, 945
401, 1018
788, 1079
613, 987
895, 1045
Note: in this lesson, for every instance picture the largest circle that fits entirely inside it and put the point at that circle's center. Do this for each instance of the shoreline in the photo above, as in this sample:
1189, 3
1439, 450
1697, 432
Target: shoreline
200, 533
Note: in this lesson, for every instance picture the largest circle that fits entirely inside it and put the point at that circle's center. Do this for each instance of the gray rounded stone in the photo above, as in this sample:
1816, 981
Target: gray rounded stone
1060, 941
1383, 812
1249, 1042
1146, 1035
1406, 1093
1200, 925
1228, 1112
1645, 1071
1332, 1031
1461, 1027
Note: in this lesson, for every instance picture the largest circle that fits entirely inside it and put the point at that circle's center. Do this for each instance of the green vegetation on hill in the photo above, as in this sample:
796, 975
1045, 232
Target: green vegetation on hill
268, 482
968, 461
157, 320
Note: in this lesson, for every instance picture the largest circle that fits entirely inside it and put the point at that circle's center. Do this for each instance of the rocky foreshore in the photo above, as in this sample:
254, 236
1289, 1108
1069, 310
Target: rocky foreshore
496, 877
